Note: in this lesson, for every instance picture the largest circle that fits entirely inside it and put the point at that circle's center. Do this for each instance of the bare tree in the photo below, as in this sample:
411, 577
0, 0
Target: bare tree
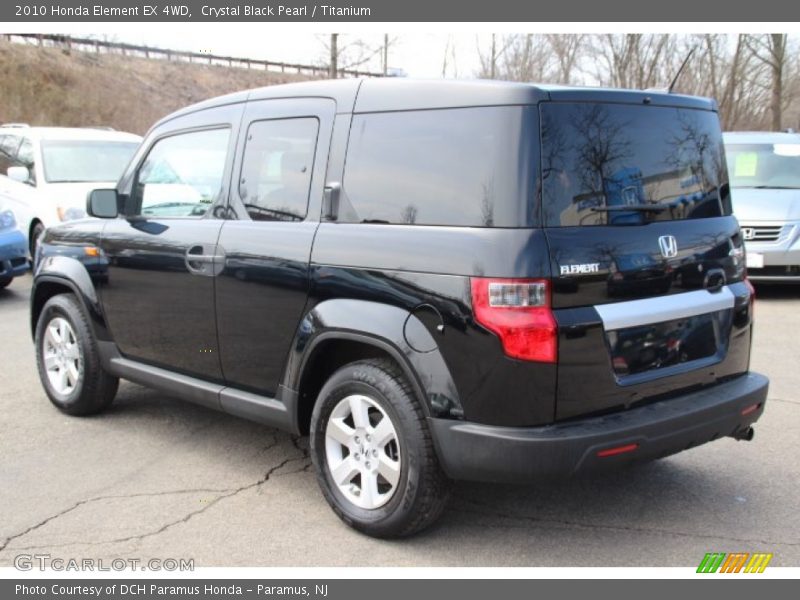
385, 54
729, 73
567, 51
409, 214
527, 58
754, 78
516, 57
634, 60
352, 54
388, 42
333, 68
771, 50
449, 60
490, 67
446, 55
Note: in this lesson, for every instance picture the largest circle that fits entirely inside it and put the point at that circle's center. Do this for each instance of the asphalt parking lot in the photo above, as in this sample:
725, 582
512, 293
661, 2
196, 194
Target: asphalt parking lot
158, 478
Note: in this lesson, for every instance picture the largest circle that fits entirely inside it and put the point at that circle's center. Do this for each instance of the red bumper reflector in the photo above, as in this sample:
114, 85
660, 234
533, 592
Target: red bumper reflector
750, 409
617, 450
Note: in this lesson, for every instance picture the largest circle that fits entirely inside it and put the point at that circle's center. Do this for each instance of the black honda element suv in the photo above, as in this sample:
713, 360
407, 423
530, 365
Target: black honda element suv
434, 280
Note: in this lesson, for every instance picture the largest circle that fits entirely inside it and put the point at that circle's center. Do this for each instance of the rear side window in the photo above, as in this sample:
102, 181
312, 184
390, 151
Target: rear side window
619, 164
276, 168
472, 167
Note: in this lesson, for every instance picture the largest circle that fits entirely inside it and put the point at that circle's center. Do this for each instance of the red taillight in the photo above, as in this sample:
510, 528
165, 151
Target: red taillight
518, 311
617, 450
619, 363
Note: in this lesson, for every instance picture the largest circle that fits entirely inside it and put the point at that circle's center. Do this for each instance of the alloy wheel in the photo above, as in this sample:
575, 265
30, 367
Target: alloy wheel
61, 356
362, 450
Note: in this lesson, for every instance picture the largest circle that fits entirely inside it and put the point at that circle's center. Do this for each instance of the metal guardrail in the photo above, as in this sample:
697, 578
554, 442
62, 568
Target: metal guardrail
125, 49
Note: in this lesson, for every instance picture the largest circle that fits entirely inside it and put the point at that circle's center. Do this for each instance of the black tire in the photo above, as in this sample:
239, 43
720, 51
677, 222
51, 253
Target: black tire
94, 389
422, 490
4, 282
36, 232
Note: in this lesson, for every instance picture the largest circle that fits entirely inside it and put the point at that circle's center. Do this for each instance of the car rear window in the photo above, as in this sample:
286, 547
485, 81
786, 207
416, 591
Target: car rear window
620, 164
472, 167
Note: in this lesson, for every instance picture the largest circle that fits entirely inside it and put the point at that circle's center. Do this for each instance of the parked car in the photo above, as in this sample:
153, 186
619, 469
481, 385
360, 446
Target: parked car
765, 176
51, 169
13, 247
416, 274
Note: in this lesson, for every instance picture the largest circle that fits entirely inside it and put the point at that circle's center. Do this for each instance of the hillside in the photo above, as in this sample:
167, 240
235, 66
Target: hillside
51, 86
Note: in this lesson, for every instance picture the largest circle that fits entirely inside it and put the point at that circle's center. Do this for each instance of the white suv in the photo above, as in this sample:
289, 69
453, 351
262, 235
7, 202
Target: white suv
50, 170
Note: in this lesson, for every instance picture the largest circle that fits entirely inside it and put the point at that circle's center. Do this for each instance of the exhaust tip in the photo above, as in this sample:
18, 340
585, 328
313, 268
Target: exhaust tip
746, 435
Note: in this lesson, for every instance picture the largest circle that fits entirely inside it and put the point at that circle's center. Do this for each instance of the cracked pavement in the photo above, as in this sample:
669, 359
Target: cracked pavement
155, 477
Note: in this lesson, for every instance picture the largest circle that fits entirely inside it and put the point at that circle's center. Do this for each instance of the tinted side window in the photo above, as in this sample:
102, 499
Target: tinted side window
468, 166
182, 174
599, 159
276, 168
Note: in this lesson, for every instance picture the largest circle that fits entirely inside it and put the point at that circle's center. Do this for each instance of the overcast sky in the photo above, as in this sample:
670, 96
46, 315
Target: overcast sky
418, 54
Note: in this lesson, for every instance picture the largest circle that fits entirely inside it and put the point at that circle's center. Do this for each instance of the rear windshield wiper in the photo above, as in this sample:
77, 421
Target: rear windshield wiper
632, 207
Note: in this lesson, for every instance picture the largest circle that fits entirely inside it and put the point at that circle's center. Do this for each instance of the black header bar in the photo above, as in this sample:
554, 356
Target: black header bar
40, 11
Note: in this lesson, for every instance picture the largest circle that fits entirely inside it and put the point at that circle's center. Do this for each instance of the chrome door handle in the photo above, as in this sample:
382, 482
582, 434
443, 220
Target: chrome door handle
201, 258
204, 259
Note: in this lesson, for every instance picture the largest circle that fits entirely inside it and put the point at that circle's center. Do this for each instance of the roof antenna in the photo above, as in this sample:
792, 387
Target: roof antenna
680, 70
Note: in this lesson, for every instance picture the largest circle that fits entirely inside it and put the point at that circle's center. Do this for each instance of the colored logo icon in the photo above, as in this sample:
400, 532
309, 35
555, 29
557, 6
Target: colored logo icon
736, 562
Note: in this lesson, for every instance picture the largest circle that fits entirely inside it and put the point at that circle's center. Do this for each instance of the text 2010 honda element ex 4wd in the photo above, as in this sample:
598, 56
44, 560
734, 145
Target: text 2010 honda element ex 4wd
434, 280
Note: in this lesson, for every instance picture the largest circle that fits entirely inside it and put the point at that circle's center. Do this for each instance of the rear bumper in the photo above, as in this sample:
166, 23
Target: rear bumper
471, 451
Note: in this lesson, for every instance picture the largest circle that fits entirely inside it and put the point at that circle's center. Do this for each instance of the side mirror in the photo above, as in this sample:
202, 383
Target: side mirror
102, 204
20, 174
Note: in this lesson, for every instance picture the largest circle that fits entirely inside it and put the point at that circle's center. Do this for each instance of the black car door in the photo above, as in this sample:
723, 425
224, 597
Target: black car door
162, 254
261, 292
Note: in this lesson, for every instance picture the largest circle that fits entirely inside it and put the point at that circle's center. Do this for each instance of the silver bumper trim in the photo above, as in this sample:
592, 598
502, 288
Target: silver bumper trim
620, 315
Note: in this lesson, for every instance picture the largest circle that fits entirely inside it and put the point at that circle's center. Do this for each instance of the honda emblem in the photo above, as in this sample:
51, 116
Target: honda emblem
668, 245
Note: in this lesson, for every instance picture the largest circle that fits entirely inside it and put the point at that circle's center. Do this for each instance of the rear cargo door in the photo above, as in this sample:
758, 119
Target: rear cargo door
647, 260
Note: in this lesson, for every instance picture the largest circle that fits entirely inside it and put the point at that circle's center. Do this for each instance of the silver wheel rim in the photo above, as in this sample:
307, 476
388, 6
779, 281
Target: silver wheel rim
362, 451
61, 356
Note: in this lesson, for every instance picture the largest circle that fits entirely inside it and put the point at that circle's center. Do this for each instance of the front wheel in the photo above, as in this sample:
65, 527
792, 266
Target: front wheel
35, 239
68, 361
373, 452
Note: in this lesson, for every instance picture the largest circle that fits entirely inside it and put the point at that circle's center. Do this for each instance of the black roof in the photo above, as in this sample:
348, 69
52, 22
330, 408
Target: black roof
389, 94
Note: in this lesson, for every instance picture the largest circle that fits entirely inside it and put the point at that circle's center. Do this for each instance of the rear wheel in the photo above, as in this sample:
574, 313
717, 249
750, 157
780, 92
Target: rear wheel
373, 452
67, 359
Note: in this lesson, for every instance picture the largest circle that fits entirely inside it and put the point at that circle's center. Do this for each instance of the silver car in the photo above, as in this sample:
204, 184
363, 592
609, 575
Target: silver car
764, 171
